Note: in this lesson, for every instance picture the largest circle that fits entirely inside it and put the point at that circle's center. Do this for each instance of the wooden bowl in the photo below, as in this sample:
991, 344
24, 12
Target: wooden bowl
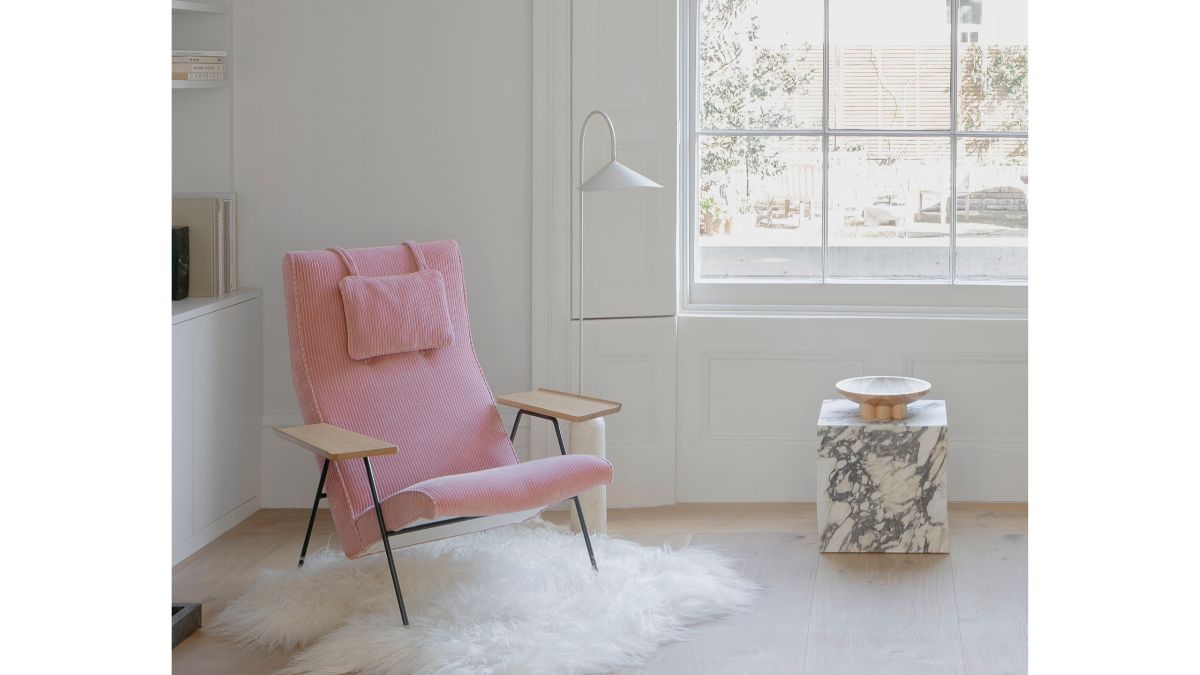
883, 396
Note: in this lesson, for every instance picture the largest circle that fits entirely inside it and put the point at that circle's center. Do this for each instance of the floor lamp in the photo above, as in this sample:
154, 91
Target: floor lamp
612, 176
588, 437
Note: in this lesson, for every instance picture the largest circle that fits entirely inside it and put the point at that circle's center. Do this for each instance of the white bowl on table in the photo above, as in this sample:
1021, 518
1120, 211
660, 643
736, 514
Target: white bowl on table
881, 397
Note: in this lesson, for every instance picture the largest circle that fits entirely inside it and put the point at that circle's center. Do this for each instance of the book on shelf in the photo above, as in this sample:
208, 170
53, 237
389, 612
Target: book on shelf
198, 67
229, 213
198, 59
211, 220
197, 76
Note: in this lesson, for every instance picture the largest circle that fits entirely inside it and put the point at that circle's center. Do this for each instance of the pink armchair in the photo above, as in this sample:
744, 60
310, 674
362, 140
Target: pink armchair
409, 441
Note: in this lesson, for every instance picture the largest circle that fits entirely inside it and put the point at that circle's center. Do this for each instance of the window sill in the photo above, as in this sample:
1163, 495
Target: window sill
905, 299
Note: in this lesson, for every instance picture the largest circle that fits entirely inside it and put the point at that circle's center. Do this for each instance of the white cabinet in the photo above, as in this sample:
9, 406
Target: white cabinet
216, 392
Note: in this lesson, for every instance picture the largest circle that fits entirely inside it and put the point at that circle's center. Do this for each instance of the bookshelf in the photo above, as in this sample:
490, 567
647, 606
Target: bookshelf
202, 121
200, 33
216, 342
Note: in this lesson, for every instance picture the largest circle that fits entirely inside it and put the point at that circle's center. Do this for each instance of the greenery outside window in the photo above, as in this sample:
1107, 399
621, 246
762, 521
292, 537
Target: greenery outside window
857, 142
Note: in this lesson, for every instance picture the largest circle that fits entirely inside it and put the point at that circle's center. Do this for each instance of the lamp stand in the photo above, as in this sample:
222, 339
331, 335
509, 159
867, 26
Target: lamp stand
612, 137
587, 437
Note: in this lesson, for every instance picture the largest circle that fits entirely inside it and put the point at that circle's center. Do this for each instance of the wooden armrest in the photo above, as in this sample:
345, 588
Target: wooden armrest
561, 404
335, 443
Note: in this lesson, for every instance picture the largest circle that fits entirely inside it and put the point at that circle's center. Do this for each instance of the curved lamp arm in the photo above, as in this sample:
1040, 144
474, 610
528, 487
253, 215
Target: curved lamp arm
612, 137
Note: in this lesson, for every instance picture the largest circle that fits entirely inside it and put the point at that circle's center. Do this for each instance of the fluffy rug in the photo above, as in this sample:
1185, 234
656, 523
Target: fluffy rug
517, 599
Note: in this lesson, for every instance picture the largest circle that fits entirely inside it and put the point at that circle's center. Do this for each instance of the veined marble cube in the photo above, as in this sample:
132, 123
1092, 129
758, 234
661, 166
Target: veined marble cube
881, 485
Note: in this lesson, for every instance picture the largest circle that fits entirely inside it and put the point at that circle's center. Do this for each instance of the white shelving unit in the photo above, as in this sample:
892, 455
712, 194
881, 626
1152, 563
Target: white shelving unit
202, 110
216, 342
182, 9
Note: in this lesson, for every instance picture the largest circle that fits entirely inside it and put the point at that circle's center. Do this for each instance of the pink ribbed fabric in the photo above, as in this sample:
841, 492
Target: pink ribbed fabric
435, 405
396, 314
501, 490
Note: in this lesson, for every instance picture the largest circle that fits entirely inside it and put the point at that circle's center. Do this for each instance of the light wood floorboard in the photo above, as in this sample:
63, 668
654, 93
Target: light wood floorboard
826, 614
771, 638
884, 613
992, 616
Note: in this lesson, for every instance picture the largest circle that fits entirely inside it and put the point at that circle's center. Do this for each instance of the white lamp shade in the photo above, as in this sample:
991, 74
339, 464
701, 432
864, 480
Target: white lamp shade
616, 176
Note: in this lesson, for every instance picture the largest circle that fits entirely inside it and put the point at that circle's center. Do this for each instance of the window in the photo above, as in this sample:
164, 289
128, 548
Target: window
857, 142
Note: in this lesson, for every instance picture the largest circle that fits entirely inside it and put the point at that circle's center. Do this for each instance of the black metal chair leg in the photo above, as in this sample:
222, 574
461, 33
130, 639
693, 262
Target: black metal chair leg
516, 423
387, 547
562, 448
583, 527
312, 517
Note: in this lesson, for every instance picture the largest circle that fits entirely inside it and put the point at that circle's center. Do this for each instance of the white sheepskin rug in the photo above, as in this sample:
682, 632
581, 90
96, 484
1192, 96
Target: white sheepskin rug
520, 599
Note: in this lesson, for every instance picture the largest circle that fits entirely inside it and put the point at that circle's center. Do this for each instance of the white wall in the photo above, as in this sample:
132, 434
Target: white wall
364, 123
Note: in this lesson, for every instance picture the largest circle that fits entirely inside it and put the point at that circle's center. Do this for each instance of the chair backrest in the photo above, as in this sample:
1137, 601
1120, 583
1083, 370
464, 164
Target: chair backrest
434, 405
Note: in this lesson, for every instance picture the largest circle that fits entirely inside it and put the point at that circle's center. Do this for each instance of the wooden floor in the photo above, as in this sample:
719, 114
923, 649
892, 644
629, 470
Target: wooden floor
833, 613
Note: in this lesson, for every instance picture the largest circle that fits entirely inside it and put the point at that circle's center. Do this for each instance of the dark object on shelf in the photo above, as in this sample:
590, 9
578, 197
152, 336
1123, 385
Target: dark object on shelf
180, 263
185, 619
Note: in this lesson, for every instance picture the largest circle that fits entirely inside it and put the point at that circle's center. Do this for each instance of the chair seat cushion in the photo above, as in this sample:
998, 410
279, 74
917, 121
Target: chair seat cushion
504, 489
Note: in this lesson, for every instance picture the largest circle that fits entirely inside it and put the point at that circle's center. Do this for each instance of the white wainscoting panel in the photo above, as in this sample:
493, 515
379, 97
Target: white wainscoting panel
962, 377
750, 388
732, 415
633, 361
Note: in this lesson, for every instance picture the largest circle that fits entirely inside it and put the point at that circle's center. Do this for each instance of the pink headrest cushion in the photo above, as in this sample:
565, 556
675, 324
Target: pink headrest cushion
396, 314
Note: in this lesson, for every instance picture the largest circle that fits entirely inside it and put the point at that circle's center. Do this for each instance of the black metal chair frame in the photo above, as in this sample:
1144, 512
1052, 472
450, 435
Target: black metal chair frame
386, 533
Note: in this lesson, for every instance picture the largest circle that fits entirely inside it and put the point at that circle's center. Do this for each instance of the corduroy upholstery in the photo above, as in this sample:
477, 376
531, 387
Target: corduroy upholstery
391, 315
435, 405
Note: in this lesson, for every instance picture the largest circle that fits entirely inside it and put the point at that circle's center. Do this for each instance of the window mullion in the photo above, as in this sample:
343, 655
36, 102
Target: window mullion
825, 148
953, 207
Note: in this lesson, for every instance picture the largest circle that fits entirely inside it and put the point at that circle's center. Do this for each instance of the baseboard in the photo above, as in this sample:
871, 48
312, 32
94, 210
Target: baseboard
199, 540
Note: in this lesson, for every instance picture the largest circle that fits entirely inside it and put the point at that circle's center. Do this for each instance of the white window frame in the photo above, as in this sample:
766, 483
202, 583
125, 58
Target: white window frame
950, 298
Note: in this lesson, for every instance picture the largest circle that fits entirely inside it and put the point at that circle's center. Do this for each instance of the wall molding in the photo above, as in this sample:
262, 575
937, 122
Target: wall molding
912, 358
999, 358
708, 357
603, 361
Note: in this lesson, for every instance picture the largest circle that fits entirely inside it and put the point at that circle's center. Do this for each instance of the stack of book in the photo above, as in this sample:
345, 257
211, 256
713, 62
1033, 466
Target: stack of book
197, 65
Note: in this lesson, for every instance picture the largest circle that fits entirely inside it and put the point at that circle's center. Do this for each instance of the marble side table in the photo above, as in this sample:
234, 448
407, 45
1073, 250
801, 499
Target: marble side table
881, 485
